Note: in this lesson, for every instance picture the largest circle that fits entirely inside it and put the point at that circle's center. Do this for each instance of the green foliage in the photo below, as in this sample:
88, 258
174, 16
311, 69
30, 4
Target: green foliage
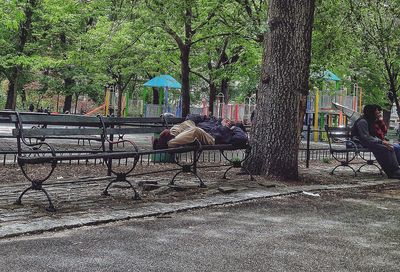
94, 44
358, 40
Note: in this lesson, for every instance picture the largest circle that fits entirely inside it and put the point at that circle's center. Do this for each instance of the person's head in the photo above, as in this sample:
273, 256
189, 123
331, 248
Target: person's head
162, 141
372, 112
226, 122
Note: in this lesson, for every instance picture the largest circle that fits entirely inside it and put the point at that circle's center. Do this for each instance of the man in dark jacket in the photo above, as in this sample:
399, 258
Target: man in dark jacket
363, 131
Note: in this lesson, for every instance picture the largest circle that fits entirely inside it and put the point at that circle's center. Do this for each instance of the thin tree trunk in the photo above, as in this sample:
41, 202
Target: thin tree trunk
12, 89
224, 90
284, 79
68, 83
67, 103
76, 102
156, 97
23, 98
213, 93
119, 90
58, 101
185, 80
23, 33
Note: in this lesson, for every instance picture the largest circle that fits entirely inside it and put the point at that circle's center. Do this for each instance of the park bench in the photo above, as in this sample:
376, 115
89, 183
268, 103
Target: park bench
345, 151
110, 133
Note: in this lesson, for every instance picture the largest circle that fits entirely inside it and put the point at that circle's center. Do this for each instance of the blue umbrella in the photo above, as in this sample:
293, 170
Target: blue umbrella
328, 75
166, 82
163, 81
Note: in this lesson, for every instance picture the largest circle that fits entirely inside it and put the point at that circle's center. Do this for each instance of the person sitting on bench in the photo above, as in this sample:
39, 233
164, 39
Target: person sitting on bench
381, 130
364, 132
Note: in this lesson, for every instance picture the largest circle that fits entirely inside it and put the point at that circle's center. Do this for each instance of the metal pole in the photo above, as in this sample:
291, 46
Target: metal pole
308, 146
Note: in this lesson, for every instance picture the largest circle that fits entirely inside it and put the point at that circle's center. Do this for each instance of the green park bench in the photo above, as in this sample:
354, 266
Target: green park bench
345, 151
109, 133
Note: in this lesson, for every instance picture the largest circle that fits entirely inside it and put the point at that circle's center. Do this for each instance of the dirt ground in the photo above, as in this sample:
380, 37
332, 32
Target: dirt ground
317, 173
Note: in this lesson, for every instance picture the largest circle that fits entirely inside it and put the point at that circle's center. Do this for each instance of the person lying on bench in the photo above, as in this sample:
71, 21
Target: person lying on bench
182, 134
364, 132
208, 132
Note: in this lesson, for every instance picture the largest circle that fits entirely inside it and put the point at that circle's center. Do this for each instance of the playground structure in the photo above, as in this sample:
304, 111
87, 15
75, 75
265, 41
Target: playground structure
332, 108
172, 103
233, 111
329, 106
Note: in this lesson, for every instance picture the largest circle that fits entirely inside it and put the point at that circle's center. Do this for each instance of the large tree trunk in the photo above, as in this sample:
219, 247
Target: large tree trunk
284, 79
185, 52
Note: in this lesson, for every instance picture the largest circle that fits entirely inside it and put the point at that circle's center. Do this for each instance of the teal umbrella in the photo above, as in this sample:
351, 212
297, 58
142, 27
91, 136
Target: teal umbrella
328, 75
166, 82
163, 81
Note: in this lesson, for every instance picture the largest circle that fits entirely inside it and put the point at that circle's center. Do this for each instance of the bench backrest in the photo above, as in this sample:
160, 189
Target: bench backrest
338, 134
42, 125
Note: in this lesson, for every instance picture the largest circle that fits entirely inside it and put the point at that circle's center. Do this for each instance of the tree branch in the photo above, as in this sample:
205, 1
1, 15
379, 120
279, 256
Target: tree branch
214, 36
200, 75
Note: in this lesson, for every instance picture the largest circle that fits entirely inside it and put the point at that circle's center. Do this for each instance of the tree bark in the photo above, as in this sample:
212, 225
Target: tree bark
284, 79
156, 96
119, 89
213, 93
224, 89
185, 71
68, 83
76, 102
23, 34
12, 90
67, 103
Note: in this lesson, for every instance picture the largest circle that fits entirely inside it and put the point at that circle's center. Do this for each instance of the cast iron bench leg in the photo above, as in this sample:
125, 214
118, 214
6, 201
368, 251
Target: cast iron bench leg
188, 169
237, 164
229, 168
340, 165
122, 178
38, 187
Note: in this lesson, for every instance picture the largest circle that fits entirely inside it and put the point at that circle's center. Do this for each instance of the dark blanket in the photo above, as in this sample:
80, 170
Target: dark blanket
239, 136
235, 135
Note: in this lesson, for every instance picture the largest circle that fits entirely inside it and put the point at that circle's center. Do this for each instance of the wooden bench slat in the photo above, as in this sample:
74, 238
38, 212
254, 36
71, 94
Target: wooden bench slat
134, 130
141, 120
42, 132
63, 119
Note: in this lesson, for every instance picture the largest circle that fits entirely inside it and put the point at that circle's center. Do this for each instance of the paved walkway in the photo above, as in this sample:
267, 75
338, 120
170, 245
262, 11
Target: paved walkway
79, 203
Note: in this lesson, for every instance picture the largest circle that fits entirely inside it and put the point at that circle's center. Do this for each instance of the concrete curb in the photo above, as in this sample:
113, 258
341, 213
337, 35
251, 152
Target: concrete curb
160, 209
